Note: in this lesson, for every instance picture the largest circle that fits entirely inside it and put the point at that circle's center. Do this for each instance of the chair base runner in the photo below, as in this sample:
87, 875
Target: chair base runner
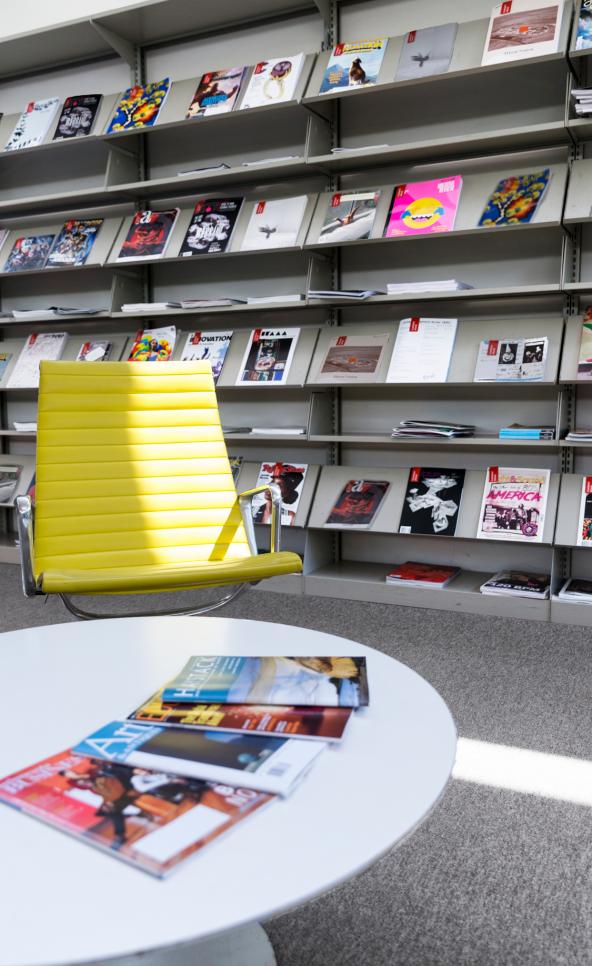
84, 615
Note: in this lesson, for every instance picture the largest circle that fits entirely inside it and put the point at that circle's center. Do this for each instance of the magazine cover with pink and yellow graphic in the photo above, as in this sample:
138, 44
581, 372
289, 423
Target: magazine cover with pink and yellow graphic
424, 207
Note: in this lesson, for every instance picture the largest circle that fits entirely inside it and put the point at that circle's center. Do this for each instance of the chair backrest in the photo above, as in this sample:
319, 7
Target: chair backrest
132, 468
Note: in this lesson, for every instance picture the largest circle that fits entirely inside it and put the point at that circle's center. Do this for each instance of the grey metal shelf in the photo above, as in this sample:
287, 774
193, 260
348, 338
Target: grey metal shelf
471, 442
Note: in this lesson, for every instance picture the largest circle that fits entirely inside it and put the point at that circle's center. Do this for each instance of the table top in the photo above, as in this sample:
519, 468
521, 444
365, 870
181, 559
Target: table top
64, 902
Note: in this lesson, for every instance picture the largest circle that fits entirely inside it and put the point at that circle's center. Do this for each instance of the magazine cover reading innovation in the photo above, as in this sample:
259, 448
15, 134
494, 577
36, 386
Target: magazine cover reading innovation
514, 504
424, 207
354, 65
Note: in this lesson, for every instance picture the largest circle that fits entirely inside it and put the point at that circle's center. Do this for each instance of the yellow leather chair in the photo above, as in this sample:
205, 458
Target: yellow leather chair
134, 492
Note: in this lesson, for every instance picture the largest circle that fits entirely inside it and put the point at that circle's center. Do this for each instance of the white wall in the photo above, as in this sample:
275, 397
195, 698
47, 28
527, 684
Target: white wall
27, 15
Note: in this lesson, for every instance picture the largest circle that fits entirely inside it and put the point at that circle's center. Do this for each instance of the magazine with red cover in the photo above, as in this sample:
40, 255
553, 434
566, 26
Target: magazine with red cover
326, 724
413, 574
146, 818
149, 234
358, 503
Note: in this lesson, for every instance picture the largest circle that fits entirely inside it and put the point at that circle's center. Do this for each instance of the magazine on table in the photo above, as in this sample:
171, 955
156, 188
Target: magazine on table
268, 356
273, 81
290, 478
324, 724
515, 200
29, 252
40, 346
513, 583
519, 29
426, 52
357, 504
265, 763
207, 347
211, 226
353, 358
154, 345
349, 216
514, 504
217, 92
308, 681
432, 501
33, 124
149, 234
139, 106
9, 480
78, 115
423, 350
413, 574
74, 243
424, 207
95, 351
585, 515
275, 224
148, 818
354, 65
511, 360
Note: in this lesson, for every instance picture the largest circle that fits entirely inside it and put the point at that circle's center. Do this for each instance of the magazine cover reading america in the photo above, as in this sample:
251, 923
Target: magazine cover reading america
327, 724
349, 216
139, 106
519, 29
354, 65
211, 226
153, 345
357, 504
217, 92
145, 817
515, 200
33, 124
309, 681
273, 81
77, 117
514, 504
424, 207
290, 479
29, 251
268, 356
207, 347
585, 518
432, 501
149, 234
74, 243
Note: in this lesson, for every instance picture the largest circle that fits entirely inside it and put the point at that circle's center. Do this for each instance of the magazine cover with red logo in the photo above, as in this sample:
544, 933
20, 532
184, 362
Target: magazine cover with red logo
585, 519
149, 234
514, 504
432, 501
153, 345
358, 503
290, 479
268, 356
139, 106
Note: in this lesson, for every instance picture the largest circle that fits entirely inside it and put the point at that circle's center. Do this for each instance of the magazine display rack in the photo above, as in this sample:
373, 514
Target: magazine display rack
529, 280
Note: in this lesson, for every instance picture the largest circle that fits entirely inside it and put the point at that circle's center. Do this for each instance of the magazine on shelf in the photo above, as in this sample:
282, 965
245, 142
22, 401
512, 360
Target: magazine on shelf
268, 356
426, 52
423, 350
149, 234
585, 516
74, 243
154, 345
324, 724
9, 481
290, 478
139, 106
514, 504
40, 346
275, 224
147, 818
424, 207
94, 351
5, 358
515, 200
413, 574
446, 285
235, 465
349, 216
29, 252
273, 81
519, 29
354, 65
584, 34
265, 763
207, 347
585, 353
211, 226
577, 588
33, 124
78, 115
217, 92
353, 358
426, 429
511, 360
308, 681
513, 583
432, 501
357, 504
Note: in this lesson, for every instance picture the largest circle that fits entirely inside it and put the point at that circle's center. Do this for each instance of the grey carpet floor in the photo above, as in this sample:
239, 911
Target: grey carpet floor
493, 877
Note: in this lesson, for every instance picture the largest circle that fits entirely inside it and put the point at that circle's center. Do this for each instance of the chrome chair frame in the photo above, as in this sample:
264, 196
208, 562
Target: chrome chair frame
33, 588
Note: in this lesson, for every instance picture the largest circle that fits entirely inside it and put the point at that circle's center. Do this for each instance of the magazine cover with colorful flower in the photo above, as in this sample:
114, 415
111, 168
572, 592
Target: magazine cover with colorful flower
515, 200
139, 106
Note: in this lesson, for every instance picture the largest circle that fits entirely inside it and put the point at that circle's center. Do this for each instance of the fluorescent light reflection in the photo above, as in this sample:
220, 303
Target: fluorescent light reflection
521, 770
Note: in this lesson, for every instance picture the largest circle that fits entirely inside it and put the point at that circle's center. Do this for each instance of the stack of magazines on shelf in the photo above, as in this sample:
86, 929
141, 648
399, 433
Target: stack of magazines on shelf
578, 589
514, 583
579, 436
445, 285
353, 294
413, 574
582, 101
424, 429
520, 431
225, 737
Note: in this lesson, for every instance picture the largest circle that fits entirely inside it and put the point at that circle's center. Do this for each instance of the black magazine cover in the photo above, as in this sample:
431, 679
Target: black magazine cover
432, 501
358, 503
78, 116
211, 226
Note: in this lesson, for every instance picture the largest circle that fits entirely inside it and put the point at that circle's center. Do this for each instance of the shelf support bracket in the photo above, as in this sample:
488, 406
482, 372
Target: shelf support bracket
122, 47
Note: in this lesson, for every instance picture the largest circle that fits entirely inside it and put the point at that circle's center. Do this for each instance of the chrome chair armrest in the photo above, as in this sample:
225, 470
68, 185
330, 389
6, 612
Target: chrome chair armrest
246, 501
24, 522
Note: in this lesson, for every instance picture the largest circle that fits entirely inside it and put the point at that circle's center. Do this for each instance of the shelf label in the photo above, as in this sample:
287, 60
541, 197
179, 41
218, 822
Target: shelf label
341, 340
494, 474
492, 347
336, 200
411, 36
588, 485
414, 474
414, 324
506, 7
260, 207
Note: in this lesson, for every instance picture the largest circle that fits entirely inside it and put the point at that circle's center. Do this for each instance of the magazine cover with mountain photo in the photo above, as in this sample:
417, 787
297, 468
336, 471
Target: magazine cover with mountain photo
357, 504
273, 81
29, 252
74, 243
33, 124
519, 29
424, 207
349, 216
290, 479
139, 106
515, 200
78, 116
217, 92
432, 501
149, 234
268, 356
207, 347
147, 818
211, 226
353, 358
514, 504
275, 224
354, 65
426, 52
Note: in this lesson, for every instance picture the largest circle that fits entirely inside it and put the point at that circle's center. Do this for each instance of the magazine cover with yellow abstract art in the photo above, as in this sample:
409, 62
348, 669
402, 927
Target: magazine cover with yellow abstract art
154, 345
515, 200
139, 106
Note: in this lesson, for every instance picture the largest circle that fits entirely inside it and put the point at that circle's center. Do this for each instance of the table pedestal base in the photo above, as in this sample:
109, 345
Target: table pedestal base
246, 946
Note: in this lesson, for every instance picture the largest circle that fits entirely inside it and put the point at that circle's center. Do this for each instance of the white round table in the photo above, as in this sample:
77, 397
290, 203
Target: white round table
63, 902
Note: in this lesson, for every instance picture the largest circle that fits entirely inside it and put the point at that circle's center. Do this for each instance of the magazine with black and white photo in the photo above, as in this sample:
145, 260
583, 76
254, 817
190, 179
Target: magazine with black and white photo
514, 583
275, 224
273, 81
290, 478
40, 346
426, 52
268, 356
207, 347
514, 504
511, 360
10, 475
349, 216
432, 501
353, 358
357, 504
423, 350
33, 124
211, 226
78, 116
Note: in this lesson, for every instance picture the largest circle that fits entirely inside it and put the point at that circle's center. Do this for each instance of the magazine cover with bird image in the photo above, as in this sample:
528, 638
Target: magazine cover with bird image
354, 65
515, 200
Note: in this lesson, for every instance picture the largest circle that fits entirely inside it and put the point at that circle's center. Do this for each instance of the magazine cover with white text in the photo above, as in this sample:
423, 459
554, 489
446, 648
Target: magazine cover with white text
514, 504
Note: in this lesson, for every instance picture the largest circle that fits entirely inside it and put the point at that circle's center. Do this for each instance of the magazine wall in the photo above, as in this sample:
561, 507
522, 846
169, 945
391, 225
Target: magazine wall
479, 123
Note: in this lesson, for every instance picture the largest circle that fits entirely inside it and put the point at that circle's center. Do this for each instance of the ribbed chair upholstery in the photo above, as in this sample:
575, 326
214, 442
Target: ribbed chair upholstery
134, 491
